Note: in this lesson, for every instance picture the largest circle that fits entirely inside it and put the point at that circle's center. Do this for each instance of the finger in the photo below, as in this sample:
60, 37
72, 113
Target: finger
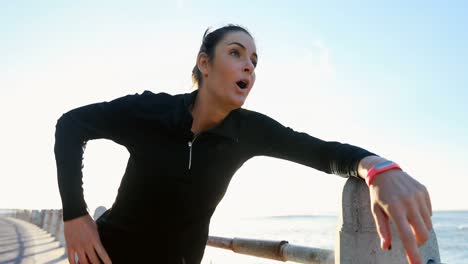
82, 258
383, 226
102, 253
71, 256
92, 257
426, 214
428, 202
419, 228
407, 238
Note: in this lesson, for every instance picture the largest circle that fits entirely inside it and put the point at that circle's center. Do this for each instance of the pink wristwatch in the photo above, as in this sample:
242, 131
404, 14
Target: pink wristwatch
379, 168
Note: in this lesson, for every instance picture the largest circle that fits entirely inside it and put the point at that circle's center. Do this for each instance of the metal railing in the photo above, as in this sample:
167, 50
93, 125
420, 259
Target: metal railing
277, 250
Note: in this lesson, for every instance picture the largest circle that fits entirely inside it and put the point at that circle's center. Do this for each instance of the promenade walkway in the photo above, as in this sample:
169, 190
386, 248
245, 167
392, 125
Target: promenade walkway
25, 243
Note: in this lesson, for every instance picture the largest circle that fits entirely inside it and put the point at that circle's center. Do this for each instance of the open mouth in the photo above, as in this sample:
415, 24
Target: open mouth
242, 84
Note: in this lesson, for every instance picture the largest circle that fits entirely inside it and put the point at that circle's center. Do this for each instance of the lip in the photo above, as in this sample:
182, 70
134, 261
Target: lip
246, 81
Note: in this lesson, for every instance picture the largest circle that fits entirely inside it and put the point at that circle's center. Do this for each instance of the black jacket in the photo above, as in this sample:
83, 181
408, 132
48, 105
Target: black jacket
175, 179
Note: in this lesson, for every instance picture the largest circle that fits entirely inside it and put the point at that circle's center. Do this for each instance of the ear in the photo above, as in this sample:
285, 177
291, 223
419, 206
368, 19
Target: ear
203, 63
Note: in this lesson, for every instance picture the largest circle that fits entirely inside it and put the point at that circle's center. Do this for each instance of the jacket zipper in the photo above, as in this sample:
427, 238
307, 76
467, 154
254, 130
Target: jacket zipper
190, 144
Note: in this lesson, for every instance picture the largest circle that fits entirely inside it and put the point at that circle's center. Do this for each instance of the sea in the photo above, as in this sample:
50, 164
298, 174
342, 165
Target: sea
319, 231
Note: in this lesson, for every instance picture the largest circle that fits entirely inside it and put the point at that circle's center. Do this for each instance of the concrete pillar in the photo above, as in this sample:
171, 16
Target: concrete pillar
37, 217
357, 238
45, 218
98, 212
23, 214
59, 230
53, 225
42, 219
48, 220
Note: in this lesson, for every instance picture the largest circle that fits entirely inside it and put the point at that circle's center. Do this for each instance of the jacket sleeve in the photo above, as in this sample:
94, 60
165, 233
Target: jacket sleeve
270, 138
109, 120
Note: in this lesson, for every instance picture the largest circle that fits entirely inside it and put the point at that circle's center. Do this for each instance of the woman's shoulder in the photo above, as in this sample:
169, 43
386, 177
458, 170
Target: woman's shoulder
250, 119
146, 104
150, 96
150, 99
252, 115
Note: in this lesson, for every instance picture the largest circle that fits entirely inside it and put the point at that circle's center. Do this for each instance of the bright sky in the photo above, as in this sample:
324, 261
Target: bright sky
390, 77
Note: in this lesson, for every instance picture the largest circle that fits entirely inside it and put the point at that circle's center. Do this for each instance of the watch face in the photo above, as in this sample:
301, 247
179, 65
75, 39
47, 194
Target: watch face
383, 165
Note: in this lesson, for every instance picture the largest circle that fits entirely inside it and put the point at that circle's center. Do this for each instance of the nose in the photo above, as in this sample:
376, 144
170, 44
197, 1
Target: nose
249, 67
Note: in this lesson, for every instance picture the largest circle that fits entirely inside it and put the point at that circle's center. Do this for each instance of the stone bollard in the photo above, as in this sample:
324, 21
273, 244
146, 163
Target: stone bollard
54, 223
48, 220
23, 214
358, 241
37, 217
98, 212
59, 230
43, 218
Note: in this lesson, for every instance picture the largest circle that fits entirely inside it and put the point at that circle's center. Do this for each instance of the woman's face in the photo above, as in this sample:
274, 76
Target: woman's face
230, 75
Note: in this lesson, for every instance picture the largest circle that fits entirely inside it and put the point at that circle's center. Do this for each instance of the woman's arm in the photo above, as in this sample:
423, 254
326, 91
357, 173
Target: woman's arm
266, 136
397, 197
394, 194
110, 120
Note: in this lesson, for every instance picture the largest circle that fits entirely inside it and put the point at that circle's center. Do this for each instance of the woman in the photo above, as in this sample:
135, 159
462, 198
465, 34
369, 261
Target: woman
185, 148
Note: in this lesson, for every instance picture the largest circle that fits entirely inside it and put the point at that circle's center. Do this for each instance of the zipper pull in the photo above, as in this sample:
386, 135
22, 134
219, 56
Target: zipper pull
190, 144
190, 154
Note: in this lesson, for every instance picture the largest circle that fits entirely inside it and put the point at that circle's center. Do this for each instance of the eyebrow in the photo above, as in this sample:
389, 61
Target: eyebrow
242, 46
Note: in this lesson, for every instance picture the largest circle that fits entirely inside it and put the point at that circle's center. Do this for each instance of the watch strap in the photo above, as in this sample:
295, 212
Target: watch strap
379, 168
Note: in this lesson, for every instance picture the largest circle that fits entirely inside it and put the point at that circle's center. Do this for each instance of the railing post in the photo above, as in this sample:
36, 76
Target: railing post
43, 218
357, 238
36, 217
59, 235
98, 212
48, 220
23, 214
55, 221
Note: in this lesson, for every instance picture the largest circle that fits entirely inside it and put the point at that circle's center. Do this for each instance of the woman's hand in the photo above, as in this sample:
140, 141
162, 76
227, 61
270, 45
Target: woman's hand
397, 197
82, 238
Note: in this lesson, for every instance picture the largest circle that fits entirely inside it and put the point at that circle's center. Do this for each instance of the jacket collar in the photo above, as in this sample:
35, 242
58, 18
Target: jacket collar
228, 128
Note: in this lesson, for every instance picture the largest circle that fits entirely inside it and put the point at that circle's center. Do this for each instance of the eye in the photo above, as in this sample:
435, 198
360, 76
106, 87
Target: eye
235, 53
254, 62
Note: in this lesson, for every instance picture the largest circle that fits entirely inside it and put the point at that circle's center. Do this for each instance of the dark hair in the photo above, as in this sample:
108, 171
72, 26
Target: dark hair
209, 42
